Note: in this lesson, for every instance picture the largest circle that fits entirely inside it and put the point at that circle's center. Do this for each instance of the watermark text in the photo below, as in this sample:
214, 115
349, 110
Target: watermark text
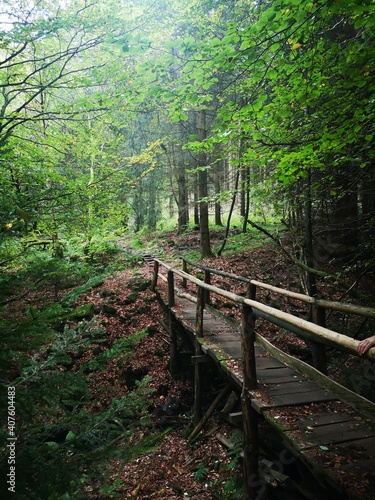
12, 439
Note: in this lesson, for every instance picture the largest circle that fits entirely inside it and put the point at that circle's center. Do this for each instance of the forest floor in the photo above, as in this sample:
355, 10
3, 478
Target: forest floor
175, 468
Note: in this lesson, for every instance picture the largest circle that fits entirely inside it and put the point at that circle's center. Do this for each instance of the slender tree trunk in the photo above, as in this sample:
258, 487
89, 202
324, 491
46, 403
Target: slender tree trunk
183, 200
246, 191
230, 215
196, 202
151, 208
182, 197
368, 193
243, 191
309, 246
171, 206
203, 189
217, 183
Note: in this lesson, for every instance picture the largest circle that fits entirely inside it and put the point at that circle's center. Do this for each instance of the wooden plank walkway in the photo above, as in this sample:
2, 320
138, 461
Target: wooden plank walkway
334, 441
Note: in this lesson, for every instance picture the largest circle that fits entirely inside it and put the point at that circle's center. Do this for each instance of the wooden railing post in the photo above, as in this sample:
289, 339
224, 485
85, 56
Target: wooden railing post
155, 276
198, 387
249, 415
248, 347
207, 279
173, 347
173, 364
200, 311
319, 350
251, 291
185, 269
171, 299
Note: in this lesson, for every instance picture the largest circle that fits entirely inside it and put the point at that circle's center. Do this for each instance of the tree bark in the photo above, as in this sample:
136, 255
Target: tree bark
246, 190
230, 215
309, 247
217, 183
205, 244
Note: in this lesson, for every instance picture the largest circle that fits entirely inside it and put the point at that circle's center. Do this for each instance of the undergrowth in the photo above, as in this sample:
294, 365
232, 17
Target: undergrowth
62, 441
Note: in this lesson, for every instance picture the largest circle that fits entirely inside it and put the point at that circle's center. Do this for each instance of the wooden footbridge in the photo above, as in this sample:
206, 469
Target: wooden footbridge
302, 431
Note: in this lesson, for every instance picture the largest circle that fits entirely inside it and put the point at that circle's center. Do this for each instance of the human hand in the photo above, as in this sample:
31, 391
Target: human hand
365, 345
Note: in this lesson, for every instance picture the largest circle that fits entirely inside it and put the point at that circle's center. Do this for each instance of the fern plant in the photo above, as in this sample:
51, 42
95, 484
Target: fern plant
201, 472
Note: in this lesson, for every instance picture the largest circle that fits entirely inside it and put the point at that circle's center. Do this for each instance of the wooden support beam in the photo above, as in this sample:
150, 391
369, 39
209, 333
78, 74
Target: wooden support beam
171, 298
198, 390
173, 349
198, 385
235, 418
251, 291
200, 312
155, 276
318, 316
248, 348
250, 416
185, 270
210, 411
207, 280
199, 359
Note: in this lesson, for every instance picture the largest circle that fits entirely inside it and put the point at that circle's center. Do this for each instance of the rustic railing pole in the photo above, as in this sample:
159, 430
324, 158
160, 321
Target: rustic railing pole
155, 276
318, 350
173, 362
173, 346
185, 269
200, 311
251, 291
207, 279
249, 415
171, 300
198, 390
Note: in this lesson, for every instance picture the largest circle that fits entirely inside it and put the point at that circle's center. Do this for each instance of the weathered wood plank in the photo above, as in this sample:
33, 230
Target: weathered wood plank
360, 455
340, 432
293, 387
300, 398
361, 449
324, 419
268, 362
277, 375
232, 348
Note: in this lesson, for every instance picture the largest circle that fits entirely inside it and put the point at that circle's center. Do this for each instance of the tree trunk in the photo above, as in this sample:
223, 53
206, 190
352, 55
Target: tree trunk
217, 174
183, 200
196, 202
368, 193
246, 191
151, 208
230, 215
309, 247
203, 189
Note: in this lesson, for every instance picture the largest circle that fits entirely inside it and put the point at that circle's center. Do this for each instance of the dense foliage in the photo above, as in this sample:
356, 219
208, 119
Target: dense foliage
269, 105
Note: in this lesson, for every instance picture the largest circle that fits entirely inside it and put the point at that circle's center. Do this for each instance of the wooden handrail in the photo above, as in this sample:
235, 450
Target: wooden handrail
327, 304
275, 315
